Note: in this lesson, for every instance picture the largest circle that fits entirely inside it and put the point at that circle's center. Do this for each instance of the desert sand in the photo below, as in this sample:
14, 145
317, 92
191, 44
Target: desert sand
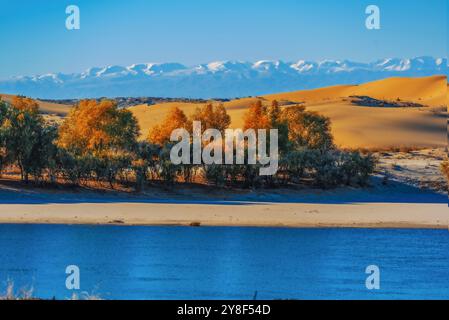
402, 203
353, 126
407, 191
360, 215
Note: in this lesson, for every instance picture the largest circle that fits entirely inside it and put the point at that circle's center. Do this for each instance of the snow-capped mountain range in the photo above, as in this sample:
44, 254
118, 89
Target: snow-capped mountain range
221, 79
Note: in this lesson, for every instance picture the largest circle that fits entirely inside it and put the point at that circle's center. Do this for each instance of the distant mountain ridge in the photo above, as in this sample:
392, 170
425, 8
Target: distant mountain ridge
219, 79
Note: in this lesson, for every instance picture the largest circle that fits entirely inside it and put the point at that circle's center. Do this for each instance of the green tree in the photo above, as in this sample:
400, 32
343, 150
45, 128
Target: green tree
307, 129
27, 140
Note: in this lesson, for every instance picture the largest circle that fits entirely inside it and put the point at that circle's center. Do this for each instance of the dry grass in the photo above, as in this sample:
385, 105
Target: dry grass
85, 296
23, 294
27, 294
49, 108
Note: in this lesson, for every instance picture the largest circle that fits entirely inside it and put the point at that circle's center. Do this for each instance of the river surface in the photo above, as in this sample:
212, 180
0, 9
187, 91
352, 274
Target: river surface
121, 262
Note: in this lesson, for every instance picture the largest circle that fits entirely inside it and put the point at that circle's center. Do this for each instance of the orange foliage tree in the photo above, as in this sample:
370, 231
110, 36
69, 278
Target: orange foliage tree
274, 113
256, 117
25, 104
212, 117
175, 119
95, 127
445, 169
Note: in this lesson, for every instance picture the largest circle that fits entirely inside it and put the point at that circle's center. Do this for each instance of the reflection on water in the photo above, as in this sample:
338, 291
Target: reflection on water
225, 263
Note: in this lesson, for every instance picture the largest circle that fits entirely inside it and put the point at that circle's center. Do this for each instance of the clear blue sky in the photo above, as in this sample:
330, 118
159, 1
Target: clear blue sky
34, 39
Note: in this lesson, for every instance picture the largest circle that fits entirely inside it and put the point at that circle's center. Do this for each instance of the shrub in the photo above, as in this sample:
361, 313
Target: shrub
3, 136
144, 162
356, 168
445, 169
307, 129
342, 168
43, 153
326, 168
108, 166
214, 174
165, 169
175, 119
295, 165
75, 168
26, 139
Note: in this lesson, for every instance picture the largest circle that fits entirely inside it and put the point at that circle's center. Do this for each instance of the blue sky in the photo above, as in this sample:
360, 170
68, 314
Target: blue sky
34, 38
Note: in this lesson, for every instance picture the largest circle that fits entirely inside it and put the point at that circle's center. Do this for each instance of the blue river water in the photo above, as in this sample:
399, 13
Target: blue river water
121, 262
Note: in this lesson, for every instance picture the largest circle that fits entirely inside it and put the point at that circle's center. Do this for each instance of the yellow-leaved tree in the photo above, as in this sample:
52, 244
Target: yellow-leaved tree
98, 127
175, 119
212, 117
256, 117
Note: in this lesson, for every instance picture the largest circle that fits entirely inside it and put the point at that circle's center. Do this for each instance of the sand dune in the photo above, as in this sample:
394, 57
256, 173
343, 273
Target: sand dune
45, 107
353, 126
428, 91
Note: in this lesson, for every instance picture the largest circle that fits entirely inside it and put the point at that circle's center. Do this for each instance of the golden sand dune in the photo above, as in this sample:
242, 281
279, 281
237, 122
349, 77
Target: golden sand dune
428, 91
368, 127
352, 125
45, 107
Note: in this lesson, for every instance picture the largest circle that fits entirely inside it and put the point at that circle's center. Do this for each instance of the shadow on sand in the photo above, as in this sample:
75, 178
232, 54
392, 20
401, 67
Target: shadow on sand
394, 192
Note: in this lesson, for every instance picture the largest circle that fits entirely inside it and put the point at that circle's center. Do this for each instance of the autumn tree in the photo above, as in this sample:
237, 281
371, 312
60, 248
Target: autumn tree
445, 169
175, 119
97, 137
256, 117
274, 113
307, 129
25, 104
98, 127
212, 117
276, 122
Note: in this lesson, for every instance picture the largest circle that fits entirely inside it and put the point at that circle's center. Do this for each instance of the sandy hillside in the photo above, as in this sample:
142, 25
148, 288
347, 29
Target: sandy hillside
45, 107
428, 91
352, 125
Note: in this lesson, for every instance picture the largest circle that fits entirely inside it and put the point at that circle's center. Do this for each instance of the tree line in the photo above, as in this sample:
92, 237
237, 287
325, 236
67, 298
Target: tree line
99, 142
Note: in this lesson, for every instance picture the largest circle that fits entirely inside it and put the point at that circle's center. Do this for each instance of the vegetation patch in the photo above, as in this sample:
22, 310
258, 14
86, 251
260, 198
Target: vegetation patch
366, 101
98, 142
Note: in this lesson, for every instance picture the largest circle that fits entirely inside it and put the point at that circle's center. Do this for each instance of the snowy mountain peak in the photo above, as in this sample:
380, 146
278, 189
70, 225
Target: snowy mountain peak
219, 79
